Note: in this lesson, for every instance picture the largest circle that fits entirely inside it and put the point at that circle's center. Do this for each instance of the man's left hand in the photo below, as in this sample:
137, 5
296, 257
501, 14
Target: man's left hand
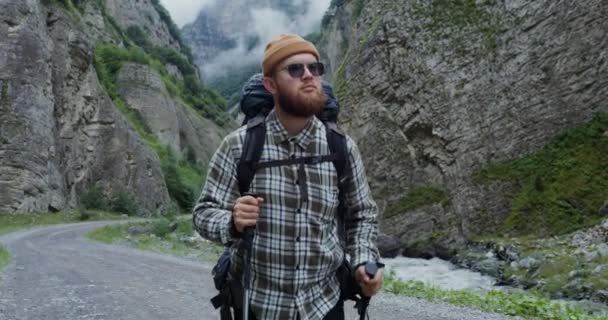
369, 286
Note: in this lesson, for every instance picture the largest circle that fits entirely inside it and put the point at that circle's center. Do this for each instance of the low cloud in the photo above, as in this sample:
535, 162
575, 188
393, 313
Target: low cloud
185, 11
267, 24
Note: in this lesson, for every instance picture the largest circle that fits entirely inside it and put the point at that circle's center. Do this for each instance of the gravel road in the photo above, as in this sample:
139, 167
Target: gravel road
55, 273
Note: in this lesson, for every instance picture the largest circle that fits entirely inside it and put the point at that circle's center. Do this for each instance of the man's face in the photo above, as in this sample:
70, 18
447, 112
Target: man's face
299, 96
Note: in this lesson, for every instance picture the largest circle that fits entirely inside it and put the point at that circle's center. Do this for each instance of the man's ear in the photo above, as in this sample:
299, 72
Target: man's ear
270, 85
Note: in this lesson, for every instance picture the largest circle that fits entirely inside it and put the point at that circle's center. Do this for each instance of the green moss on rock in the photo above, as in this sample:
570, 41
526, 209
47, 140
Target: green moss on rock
562, 186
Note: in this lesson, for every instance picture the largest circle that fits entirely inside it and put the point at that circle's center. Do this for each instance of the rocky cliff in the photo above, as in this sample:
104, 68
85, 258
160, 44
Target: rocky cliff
64, 131
434, 91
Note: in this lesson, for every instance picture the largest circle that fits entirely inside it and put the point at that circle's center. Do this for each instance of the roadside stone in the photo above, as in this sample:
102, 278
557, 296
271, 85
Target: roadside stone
172, 226
138, 230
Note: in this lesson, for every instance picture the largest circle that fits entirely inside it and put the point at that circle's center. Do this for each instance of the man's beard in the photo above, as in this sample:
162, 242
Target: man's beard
302, 106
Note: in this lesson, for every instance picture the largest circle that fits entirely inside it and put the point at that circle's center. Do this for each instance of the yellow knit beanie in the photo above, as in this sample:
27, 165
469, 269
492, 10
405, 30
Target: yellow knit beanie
283, 47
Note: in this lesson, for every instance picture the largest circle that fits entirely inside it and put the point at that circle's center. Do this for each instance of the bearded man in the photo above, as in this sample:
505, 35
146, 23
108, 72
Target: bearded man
296, 248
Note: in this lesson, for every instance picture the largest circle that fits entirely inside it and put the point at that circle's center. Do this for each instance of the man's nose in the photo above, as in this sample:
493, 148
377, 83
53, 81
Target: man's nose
307, 73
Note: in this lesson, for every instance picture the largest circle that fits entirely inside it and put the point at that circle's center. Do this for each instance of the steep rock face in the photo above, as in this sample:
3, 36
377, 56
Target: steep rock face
174, 124
64, 134
26, 118
432, 92
60, 132
143, 14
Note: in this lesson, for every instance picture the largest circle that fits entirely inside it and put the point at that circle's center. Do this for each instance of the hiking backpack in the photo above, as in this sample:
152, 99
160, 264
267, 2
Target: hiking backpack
256, 103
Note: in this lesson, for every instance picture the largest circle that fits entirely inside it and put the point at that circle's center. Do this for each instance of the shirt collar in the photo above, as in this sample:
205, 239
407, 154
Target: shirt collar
279, 133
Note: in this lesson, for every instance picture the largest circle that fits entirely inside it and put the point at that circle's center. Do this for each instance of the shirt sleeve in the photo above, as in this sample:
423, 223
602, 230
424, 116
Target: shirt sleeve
212, 214
361, 219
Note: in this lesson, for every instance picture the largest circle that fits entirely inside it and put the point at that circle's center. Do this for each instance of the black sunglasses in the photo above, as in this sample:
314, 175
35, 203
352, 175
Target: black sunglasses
296, 70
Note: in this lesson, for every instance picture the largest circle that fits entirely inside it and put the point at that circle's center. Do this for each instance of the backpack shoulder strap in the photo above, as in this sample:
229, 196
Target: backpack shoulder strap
336, 139
251, 153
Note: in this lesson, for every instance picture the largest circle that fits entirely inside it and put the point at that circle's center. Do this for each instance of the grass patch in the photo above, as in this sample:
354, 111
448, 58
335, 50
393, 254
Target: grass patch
357, 8
527, 305
12, 222
562, 186
158, 236
469, 27
417, 198
4, 257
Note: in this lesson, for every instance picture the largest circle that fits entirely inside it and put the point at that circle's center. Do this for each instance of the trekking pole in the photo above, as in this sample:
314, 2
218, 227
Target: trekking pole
248, 238
371, 268
249, 245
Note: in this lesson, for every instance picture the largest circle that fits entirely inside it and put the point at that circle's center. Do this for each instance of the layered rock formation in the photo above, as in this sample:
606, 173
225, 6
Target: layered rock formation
434, 90
60, 132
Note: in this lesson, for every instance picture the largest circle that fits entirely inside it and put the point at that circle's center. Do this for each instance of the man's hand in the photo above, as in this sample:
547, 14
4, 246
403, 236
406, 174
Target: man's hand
245, 212
369, 286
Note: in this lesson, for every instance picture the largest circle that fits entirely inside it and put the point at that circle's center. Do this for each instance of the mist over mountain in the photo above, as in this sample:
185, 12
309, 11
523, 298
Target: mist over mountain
227, 38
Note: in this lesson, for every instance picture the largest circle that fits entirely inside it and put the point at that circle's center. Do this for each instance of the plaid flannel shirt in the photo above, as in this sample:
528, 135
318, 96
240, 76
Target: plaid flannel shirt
296, 247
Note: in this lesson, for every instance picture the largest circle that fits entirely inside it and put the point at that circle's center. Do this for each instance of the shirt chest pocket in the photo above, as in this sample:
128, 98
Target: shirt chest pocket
322, 185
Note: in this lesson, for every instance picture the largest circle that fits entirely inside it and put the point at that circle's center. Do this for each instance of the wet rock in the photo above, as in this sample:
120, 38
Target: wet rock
388, 246
417, 252
602, 250
599, 269
507, 253
530, 263
604, 209
490, 266
601, 296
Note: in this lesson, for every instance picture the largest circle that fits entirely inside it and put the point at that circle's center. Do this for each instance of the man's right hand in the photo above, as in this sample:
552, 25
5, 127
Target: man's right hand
245, 212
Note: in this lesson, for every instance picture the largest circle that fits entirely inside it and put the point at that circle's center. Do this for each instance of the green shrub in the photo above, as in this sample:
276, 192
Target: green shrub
93, 199
183, 194
83, 214
184, 227
562, 186
358, 8
527, 305
139, 37
160, 227
123, 202
4, 256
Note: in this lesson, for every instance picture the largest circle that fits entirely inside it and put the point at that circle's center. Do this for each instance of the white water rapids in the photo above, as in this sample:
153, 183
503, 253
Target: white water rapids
439, 273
